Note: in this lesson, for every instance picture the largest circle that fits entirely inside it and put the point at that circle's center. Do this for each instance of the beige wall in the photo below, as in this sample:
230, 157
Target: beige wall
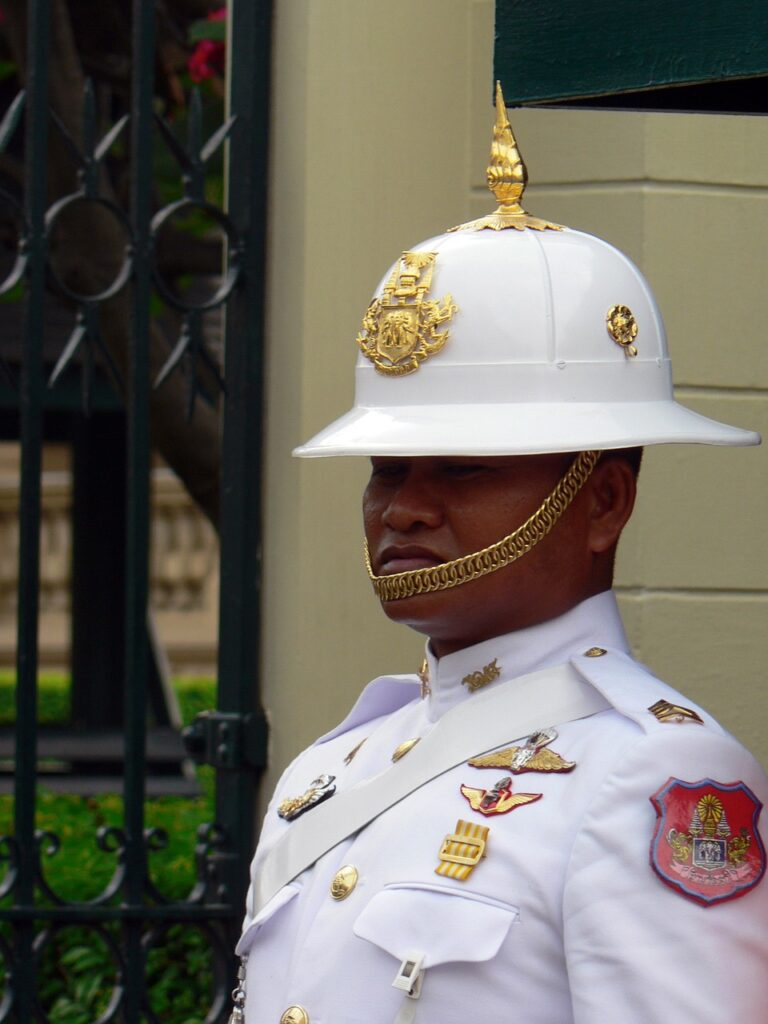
687, 197
382, 117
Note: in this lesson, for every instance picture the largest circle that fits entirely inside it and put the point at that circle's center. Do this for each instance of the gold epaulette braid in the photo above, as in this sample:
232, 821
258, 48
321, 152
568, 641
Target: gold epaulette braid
498, 555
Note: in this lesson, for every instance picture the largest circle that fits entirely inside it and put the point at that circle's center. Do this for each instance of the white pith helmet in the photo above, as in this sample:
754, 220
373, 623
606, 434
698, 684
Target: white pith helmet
513, 336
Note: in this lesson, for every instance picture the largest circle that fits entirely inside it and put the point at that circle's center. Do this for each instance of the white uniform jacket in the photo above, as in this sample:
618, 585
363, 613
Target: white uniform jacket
593, 903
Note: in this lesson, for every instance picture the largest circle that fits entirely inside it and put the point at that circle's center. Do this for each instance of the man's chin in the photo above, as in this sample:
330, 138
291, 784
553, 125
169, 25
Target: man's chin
425, 613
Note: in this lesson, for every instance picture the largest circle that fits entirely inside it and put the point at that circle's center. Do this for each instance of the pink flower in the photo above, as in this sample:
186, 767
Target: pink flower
206, 60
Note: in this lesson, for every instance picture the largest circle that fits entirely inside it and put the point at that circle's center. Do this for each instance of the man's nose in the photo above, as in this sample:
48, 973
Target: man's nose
413, 504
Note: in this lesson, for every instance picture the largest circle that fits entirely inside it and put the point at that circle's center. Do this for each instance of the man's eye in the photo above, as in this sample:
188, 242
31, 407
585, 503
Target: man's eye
463, 469
386, 470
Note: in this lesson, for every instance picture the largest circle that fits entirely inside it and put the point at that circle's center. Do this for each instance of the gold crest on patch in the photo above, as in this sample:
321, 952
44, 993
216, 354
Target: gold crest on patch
400, 330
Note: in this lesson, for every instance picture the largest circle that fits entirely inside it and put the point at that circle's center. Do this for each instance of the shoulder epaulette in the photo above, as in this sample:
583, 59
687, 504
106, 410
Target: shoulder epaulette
637, 694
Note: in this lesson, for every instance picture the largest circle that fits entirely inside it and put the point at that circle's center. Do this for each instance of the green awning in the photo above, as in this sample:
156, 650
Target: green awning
672, 55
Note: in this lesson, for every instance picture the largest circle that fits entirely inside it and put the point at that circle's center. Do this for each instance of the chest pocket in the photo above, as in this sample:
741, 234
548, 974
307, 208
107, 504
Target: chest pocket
423, 926
444, 924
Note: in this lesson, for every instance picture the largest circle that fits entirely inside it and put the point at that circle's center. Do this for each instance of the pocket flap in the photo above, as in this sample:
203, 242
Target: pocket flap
443, 924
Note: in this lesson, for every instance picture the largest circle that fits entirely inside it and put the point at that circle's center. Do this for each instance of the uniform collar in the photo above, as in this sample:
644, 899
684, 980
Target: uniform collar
455, 677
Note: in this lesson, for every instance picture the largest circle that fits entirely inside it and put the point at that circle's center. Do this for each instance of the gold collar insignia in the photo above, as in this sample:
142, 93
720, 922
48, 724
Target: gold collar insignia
487, 674
423, 675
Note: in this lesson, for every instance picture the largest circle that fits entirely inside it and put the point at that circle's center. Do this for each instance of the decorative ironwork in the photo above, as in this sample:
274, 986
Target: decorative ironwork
8, 127
86, 335
131, 918
86, 338
9, 855
6, 967
206, 908
192, 159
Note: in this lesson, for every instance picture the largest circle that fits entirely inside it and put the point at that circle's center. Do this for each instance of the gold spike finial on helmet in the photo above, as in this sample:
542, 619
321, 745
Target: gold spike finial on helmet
506, 173
507, 177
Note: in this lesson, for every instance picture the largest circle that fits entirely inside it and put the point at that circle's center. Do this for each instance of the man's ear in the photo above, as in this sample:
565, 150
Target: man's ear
613, 486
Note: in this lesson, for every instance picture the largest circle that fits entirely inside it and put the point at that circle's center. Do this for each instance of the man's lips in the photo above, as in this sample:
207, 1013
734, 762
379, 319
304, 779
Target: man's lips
395, 559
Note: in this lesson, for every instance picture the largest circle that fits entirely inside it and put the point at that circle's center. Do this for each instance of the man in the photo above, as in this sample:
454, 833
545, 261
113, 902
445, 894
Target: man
534, 828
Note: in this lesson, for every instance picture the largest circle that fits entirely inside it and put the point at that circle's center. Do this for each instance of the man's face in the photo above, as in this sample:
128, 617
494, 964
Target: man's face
419, 512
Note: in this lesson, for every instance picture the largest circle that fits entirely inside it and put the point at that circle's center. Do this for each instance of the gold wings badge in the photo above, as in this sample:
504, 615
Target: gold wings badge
499, 800
532, 756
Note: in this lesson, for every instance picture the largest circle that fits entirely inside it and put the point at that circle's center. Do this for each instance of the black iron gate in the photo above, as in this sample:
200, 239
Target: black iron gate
131, 916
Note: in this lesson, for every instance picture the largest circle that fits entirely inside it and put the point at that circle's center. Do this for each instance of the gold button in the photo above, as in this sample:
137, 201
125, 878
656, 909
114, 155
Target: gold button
295, 1015
595, 652
403, 749
344, 881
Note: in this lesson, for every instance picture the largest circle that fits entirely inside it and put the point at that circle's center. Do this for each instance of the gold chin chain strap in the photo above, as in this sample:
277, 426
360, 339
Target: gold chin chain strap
498, 555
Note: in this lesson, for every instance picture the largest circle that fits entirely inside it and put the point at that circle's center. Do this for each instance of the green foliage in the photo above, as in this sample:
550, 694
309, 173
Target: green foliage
216, 31
76, 976
53, 698
7, 69
179, 975
77, 973
79, 869
194, 695
15, 294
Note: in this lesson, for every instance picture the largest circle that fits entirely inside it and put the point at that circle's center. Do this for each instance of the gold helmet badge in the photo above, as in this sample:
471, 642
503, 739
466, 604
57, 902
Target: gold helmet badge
400, 329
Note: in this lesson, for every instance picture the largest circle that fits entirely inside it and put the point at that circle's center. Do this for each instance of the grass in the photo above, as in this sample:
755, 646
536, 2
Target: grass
76, 970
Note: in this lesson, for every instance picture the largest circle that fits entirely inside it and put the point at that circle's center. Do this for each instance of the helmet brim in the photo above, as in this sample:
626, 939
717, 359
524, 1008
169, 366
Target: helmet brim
517, 429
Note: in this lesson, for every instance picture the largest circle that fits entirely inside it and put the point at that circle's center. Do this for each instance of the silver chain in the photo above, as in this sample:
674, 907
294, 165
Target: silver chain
238, 995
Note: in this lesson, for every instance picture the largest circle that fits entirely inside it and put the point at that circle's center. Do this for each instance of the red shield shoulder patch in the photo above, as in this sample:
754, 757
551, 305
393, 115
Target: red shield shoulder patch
706, 844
